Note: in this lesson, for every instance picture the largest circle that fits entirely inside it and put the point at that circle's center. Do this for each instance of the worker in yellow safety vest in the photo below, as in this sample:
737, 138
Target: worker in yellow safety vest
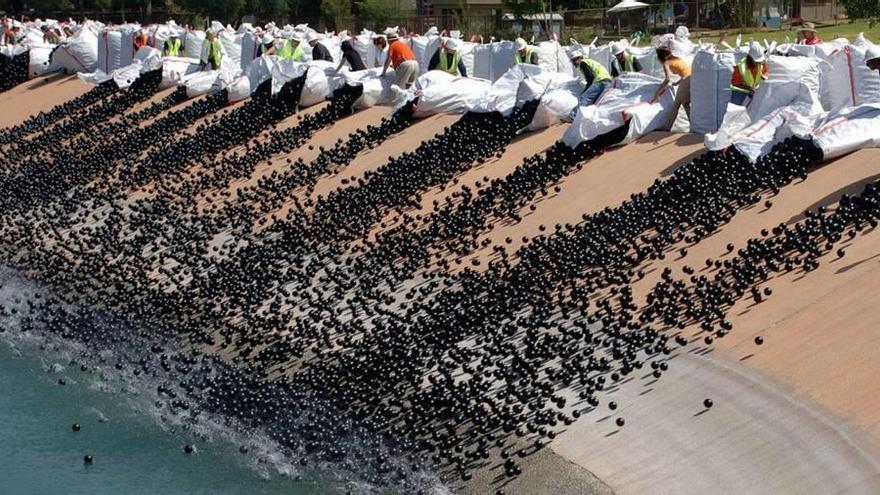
172, 46
595, 75
524, 53
748, 74
212, 52
448, 58
623, 62
292, 49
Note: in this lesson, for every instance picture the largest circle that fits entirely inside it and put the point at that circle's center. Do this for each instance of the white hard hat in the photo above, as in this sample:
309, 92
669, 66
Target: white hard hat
267, 38
618, 47
574, 53
521, 44
312, 36
451, 43
756, 53
682, 32
872, 53
16, 24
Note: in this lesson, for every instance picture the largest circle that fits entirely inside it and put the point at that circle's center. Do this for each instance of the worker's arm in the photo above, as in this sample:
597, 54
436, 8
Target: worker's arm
637, 66
462, 70
615, 72
534, 58
387, 63
341, 63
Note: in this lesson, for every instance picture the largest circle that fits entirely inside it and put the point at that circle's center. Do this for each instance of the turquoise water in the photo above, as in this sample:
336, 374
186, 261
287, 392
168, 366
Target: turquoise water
40, 454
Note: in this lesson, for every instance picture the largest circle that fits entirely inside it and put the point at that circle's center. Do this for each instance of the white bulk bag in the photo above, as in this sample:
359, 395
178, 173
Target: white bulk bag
376, 89
259, 71
232, 45
552, 57
848, 81
41, 62
284, 70
80, 53
317, 85
150, 58
847, 130
249, 47
466, 50
802, 69
202, 83
503, 58
239, 89
441, 92
710, 90
192, 45
482, 62
175, 69
109, 50
629, 98
423, 48
502, 94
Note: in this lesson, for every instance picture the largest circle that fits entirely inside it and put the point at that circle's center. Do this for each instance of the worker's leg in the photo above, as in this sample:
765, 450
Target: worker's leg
405, 74
682, 98
589, 97
738, 98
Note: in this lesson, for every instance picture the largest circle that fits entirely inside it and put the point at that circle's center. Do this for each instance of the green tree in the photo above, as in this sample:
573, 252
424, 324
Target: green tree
378, 14
862, 9
335, 13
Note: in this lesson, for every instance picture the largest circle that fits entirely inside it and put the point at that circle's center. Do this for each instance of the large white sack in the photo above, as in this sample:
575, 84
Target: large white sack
710, 90
601, 54
800, 69
503, 58
441, 92
109, 50
370, 54
502, 94
284, 70
249, 48
202, 83
126, 76
558, 95
232, 45
80, 53
773, 94
376, 89
192, 45
150, 58
482, 62
423, 48
41, 61
466, 49
317, 86
552, 57
175, 69
555, 105
848, 130
259, 71
647, 57
239, 89
847, 81
629, 98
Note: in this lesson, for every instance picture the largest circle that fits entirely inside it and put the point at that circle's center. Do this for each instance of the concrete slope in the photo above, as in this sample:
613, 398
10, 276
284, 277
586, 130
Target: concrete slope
38, 95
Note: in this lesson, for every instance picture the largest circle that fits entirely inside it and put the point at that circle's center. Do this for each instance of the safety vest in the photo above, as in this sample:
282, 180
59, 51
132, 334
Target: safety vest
600, 73
173, 47
215, 56
450, 67
528, 57
750, 81
629, 62
287, 51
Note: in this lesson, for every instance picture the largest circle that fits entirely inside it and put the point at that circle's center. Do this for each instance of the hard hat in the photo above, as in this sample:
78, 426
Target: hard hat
756, 53
808, 26
682, 33
574, 53
312, 36
521, 44
451, 43
872, 53
618, 47
267, 39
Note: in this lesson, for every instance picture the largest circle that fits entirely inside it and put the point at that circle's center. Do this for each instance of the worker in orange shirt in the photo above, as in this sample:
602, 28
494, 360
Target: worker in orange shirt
402, 58
140, 40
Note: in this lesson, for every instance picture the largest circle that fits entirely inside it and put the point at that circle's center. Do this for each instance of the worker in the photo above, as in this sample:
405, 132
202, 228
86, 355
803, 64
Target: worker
524, 53
171, 47
402, 58
807, 34
212, 52
448, 59
677, 66
141, 39
595, 76
319, 51
623, 61
50, 36
291, 49
267, 45
872, 57
351, 57
747, 75
381, 45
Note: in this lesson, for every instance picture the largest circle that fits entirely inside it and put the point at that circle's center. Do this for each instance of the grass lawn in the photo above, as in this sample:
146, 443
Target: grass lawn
826, 32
